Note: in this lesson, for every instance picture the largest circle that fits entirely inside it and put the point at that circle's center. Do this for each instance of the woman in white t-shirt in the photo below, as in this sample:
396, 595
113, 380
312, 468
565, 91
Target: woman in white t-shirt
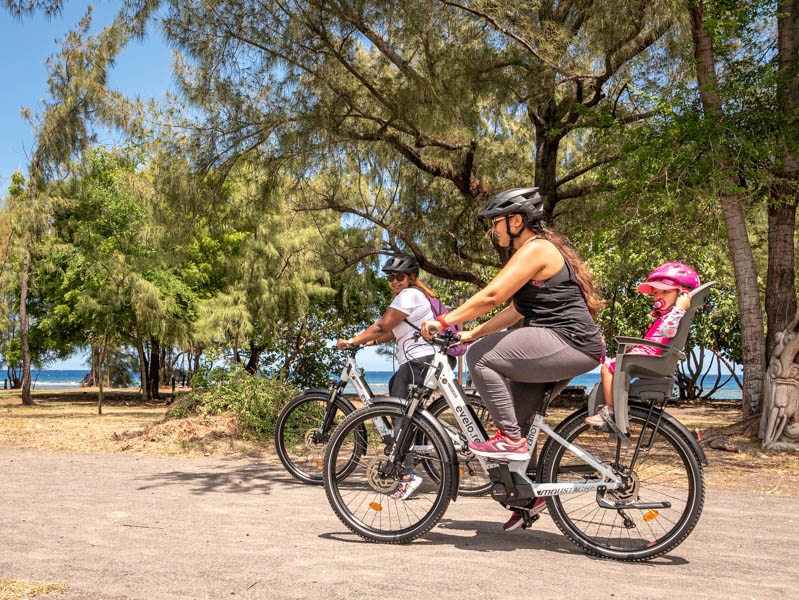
403, 318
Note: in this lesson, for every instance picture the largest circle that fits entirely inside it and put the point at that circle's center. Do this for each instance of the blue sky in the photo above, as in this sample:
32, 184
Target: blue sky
142, 69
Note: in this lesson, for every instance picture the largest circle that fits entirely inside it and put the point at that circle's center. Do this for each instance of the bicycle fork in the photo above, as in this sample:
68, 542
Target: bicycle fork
401, 439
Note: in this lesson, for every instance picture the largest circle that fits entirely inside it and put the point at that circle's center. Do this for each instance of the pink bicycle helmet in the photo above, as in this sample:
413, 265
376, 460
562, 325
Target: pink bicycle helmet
670, 276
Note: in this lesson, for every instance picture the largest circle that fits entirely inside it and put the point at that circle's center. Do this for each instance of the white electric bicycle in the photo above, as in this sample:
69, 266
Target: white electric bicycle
629, 495
304, 426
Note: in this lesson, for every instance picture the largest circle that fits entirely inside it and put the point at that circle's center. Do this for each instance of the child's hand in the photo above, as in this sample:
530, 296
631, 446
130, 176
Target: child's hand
683, 301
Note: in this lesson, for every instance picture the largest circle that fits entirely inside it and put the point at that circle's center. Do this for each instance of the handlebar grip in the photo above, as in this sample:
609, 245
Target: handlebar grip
434, 329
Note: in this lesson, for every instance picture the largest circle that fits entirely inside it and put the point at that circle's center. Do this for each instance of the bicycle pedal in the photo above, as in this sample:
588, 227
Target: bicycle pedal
528, 521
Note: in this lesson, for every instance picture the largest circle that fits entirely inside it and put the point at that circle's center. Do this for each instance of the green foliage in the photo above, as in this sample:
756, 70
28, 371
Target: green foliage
20, 8
255, 400
405, 116
302, 352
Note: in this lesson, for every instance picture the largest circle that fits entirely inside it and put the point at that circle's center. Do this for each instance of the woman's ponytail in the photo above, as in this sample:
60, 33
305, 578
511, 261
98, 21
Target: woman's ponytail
416, 282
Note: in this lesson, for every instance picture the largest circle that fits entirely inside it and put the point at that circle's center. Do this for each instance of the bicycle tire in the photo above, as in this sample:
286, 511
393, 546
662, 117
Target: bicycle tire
473, 480
669, 472
302, 416
362, 500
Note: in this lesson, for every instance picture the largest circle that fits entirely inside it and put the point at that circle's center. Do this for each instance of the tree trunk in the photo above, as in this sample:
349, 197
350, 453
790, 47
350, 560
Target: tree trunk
142, 364
27, 398
780, 281
752, 333
94, 377
780, 287
197, 353
155, 369
255, 357
546, 155
163, 365
100, 360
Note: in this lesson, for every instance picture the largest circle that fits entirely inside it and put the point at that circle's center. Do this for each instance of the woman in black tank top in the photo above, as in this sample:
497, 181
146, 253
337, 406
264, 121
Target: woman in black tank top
551, 290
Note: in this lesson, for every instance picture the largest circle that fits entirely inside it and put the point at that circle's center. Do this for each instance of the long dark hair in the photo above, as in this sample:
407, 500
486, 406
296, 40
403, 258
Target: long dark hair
584, 276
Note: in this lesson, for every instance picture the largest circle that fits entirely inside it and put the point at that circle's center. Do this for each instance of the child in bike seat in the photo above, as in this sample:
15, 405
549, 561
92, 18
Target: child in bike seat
669, 285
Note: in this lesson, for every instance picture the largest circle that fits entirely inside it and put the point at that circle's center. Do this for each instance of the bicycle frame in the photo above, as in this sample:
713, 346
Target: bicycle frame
352, 373
440, 375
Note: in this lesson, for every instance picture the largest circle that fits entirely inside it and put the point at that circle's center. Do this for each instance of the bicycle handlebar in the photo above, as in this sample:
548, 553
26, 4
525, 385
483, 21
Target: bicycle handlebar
442, 338
353, 348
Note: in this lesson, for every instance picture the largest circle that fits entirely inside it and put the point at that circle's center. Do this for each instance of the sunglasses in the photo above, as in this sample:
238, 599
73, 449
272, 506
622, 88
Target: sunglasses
396, 277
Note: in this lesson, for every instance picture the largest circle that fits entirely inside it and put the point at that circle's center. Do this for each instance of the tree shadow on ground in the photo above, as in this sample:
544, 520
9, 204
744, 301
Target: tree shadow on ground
244, 479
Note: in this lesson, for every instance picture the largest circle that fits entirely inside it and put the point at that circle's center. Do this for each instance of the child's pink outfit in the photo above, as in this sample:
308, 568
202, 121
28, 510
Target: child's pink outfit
661, 331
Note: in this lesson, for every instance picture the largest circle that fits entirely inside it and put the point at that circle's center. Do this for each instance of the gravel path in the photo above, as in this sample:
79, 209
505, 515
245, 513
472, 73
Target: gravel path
122, 526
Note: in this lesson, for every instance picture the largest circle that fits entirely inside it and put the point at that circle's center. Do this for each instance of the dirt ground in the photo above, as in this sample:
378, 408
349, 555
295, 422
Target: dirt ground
128, 526
127, 506
67, 420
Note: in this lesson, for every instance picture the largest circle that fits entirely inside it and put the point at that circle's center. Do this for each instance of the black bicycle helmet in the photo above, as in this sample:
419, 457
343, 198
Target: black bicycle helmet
527, 202
401, 263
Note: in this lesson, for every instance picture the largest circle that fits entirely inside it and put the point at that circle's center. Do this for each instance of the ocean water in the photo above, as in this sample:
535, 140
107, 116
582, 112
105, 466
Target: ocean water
378, 381
61, 379
57, 378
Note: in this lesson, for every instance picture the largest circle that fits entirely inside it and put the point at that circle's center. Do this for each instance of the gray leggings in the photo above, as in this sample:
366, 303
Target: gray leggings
511, 370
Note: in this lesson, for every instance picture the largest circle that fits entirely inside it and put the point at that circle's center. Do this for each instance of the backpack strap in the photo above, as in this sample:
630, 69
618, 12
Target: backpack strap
411, 324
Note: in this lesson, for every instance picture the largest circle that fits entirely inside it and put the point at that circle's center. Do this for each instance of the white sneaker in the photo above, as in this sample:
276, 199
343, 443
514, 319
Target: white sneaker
407, 486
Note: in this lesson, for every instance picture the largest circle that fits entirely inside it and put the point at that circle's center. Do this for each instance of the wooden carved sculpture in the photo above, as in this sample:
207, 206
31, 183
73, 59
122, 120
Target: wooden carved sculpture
779, 422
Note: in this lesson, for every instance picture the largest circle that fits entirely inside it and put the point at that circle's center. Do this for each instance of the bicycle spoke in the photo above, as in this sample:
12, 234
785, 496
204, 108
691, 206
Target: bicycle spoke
366, 498
665, 473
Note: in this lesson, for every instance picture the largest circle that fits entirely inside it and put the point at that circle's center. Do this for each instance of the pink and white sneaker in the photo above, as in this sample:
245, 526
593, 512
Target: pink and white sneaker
501, 447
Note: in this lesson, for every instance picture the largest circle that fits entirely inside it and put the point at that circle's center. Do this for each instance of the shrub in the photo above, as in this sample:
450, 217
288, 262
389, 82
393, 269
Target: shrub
255, 400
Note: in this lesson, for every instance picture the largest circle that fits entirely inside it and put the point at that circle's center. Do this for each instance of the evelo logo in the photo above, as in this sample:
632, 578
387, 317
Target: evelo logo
532, 435
468, 424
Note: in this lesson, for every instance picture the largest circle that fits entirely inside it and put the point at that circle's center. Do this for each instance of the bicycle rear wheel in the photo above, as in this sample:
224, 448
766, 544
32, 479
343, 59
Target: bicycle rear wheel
300, 440
363, 500
668, 472
473, 480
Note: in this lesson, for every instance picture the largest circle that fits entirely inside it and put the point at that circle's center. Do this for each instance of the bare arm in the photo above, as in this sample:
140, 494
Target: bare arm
377, 332
498, 322
537, 259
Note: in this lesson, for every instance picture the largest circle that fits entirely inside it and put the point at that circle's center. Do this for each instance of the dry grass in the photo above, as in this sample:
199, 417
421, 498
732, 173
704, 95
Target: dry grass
14, 589
68, 420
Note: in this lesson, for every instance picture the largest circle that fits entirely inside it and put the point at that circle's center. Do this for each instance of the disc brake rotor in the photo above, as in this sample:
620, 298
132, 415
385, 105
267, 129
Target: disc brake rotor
376, 481
310, 443
629, 493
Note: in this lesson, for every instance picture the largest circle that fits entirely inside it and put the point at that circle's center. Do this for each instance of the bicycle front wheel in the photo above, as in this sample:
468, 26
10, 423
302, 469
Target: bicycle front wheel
668, 472
301, 437
366, 500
